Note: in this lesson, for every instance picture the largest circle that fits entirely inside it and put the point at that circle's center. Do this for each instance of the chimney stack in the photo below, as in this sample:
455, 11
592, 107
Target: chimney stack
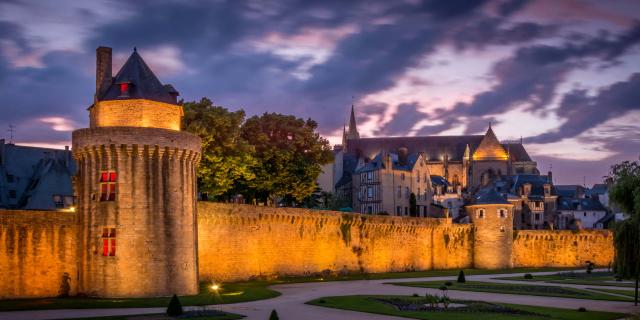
103, 70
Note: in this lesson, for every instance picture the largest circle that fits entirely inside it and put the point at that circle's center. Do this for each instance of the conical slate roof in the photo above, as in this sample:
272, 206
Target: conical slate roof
490, 148
143, 84
489, 196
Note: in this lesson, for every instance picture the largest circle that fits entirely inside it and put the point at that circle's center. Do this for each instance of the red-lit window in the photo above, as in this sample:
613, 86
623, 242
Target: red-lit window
108, 242
108, 180
124, 89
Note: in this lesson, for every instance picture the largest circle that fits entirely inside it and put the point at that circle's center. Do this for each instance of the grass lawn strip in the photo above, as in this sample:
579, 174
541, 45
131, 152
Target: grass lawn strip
593, 279
628, 293
228, 316
234, 292
372, 304
535, 290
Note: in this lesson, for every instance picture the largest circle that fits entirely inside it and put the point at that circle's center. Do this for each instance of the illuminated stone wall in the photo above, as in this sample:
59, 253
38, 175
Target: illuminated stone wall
135, 113
37, 249
542, 248
242, 241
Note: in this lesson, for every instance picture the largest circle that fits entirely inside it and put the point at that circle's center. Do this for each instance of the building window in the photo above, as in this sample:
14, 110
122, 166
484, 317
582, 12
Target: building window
406, 192
537, 217
480, 213
399, 192
9, 178
12, 194
406, 211
369, 175
501, 228
418, 177
369, 210
370, 192
398, 210
418, 194
402, 176
58, 201
502, 213
108, 180
585, 214
108, 242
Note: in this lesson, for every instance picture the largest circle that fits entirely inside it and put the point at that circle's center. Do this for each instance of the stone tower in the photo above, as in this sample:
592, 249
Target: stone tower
135, 187
492, 217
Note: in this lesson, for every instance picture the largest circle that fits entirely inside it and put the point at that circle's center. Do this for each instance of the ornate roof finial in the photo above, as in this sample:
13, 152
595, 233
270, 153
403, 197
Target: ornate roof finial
135, 49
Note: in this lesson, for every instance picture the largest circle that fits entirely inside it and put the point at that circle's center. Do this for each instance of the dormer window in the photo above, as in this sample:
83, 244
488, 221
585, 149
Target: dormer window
125, 87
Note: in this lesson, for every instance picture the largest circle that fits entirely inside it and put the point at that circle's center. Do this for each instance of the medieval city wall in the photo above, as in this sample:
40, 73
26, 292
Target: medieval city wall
241, 241
562, 248
37, 252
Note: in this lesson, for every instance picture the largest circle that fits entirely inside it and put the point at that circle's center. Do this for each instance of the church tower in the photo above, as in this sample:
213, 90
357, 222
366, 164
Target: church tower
135, 187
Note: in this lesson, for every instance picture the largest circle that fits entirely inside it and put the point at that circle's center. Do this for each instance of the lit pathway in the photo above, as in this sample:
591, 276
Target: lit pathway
290, 305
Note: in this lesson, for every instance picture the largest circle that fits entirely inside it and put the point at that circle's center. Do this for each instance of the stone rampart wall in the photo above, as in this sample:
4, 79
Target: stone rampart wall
542, 248
242, 241
37, 252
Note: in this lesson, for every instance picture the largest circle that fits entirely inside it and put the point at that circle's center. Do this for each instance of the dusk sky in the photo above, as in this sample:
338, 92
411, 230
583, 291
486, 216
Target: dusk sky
563, 75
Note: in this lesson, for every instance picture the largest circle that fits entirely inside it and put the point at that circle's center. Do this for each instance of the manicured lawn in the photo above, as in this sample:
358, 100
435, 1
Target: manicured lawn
628, 293
593, 279
228, 293
233, 292
535, 290
372, 304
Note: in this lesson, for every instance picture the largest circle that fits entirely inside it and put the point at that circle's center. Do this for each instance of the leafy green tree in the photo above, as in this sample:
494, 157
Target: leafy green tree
226, 157
624, 180
289, 154
413, 206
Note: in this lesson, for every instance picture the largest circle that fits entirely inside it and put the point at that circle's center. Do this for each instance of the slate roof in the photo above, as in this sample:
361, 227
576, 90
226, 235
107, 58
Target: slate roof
580, 204
433, 147
35, 175
537, 184
439, 181
517, 151
378, 162
489, 196
571, 190
143, 83
597, 189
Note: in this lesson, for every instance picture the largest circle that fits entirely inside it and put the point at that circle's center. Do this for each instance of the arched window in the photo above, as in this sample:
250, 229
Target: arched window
481, 213
502, 213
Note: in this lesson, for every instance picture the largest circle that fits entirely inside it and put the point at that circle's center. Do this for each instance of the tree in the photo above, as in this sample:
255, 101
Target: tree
624, 180
175, 307
461, 278
226, 157
289, 154
413, 206
274, 315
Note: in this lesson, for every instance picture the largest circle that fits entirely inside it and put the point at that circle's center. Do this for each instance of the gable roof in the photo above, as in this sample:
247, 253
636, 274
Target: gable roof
580, 204
489, 196
490, 148
143, 83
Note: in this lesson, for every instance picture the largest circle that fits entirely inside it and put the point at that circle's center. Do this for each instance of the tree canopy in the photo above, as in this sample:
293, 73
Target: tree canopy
226, 157
289, 154
267, 158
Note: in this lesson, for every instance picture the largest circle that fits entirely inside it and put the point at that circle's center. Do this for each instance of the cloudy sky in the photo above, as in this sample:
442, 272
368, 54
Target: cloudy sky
562, 75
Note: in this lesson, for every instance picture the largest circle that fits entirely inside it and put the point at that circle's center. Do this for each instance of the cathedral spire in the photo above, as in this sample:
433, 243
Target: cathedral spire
353, 130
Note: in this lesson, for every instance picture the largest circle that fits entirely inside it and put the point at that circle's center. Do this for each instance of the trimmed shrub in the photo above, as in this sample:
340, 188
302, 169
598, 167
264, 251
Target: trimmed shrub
416, 295
461, 278
528, 276
175, 307
582, 309
274, 315
448, 283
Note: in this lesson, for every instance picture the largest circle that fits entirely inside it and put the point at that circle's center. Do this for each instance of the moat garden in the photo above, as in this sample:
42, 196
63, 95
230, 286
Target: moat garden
436, 294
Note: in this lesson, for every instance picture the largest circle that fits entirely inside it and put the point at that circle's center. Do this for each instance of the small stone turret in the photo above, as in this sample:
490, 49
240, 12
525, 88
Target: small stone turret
135, 188
492, 217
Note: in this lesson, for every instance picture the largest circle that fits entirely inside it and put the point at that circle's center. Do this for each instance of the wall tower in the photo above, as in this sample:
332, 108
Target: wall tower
135, 187
492, 216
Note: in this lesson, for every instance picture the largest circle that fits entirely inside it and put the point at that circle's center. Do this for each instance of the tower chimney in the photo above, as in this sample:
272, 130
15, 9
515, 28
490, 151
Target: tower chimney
103, 70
